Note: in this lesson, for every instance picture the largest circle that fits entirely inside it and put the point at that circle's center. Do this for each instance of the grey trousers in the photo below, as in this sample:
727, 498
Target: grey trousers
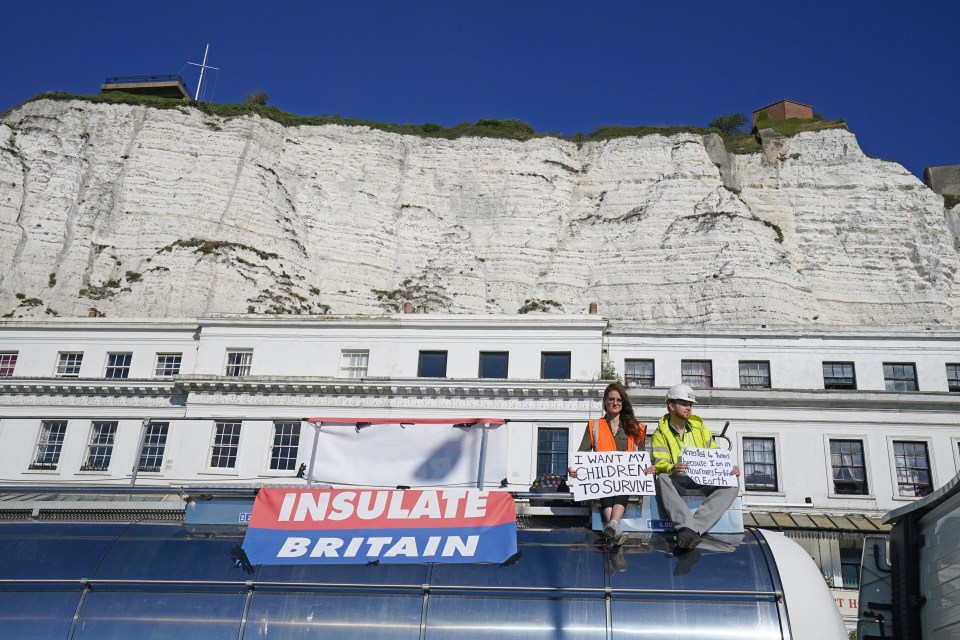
670, 488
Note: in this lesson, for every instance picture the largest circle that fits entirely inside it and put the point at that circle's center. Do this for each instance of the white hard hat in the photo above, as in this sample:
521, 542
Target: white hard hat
681, 392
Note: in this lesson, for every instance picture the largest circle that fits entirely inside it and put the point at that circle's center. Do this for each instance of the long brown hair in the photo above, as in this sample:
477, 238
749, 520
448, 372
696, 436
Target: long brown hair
627, 420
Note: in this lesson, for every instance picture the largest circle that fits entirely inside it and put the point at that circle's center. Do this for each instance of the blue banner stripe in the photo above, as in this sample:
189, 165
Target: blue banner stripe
398, 546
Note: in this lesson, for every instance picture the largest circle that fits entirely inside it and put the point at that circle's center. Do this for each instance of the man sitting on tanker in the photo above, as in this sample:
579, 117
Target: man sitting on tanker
617, 430
679, 428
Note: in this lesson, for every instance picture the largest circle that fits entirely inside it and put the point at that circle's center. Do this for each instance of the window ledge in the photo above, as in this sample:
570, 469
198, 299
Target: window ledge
218, 472
845, 496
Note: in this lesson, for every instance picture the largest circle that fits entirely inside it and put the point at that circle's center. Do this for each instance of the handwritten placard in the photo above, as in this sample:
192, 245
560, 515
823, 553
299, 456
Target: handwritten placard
709, 467
611, 473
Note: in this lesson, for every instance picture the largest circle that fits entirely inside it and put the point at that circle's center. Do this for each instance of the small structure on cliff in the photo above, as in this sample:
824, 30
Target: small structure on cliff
784, 110
161, 86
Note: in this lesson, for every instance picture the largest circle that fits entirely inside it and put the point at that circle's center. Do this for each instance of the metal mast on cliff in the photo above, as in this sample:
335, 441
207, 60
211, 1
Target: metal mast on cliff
203, 67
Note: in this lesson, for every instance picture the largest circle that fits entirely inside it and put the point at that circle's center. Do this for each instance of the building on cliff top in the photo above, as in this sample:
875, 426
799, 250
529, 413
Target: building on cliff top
161, 86
784, 110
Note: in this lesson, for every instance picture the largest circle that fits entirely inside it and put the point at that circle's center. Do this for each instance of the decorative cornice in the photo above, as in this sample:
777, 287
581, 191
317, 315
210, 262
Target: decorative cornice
87, 387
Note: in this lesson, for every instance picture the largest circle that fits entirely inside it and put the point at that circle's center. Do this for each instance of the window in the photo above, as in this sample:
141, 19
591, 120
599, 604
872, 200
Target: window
839, 375
953, 377
154, 443
759, 464
493, 364
913, 468
226, 443
168, 364
68, 364
552, 451
697, 373
900, 376
353, 364
286, 440
8, 361
49, 444
638, 373
433, 364
238, 363
754, 375
555, 366
850, 567
100, 447
118, 365
849, 468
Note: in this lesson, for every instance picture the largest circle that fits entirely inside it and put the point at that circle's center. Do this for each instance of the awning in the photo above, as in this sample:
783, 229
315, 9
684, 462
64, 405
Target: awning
814, 523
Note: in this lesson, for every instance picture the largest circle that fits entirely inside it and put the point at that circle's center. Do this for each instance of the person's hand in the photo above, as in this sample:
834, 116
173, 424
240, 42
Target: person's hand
679, 469
650, 470
572, 472
735, 471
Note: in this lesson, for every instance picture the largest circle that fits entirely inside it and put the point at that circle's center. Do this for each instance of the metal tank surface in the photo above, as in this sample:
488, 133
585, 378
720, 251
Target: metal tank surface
107, 580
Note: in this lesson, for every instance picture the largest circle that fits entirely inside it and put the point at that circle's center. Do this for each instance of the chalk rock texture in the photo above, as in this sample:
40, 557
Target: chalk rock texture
141, 212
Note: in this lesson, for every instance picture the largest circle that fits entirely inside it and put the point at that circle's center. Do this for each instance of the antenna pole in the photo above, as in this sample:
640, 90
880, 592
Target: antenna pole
203, 67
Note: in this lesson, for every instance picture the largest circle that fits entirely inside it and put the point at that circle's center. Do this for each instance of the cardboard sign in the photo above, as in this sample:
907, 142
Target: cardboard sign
611, 473
709, 467
296, 526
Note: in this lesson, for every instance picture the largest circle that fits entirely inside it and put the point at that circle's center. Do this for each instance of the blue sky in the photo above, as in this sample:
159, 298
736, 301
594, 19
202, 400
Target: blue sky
889, 68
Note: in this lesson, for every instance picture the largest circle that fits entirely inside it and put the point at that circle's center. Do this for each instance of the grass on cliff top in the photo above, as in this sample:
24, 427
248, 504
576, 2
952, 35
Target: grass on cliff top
487, 128
794, 126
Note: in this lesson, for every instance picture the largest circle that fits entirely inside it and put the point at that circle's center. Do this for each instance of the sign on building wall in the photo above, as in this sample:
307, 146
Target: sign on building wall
294, 526
611, 473
414, 455
709, 467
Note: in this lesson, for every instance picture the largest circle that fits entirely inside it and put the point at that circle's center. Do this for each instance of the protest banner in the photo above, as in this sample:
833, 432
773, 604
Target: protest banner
296, 526
611, 473
709, 467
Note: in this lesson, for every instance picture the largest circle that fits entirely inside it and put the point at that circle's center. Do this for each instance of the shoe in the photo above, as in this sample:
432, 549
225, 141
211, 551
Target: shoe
612, 530
687, 538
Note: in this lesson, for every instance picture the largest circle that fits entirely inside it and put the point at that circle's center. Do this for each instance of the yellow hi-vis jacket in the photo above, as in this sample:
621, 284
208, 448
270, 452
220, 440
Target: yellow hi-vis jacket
667, 445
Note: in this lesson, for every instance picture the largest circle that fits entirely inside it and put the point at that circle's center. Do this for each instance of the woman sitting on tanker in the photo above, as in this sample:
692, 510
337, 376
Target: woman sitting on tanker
617, 430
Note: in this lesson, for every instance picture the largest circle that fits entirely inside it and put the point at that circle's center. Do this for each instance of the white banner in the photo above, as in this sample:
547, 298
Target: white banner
415, 455
709, 467
611, 473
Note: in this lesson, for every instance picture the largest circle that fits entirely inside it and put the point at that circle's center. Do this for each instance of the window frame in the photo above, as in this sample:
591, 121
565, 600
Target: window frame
894, 379
631, 381
275, 454
100, 443
60, 371
552, 454
834, 386
346, 369
8, 363
778, 490
238, 369
828, 452
544, 355
506, 365
763, 385
892, 441
167, 371
429, 353
149, 444
111, 369
687, 378
955, 386
216, 443
43, 440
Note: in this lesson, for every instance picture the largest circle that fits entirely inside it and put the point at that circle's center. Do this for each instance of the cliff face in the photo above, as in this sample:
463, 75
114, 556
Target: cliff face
148, 213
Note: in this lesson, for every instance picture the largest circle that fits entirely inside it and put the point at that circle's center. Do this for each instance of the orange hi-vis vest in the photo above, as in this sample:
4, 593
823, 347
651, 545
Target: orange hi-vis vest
601, 437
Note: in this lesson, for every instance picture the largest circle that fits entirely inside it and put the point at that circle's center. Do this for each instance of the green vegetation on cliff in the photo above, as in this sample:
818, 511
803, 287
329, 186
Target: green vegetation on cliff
485, 128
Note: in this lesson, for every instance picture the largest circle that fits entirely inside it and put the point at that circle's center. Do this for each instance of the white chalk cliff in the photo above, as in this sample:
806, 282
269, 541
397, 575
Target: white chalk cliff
142, 212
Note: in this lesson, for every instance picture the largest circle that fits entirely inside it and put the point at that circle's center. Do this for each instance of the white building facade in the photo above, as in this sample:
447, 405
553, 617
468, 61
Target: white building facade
832, 426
